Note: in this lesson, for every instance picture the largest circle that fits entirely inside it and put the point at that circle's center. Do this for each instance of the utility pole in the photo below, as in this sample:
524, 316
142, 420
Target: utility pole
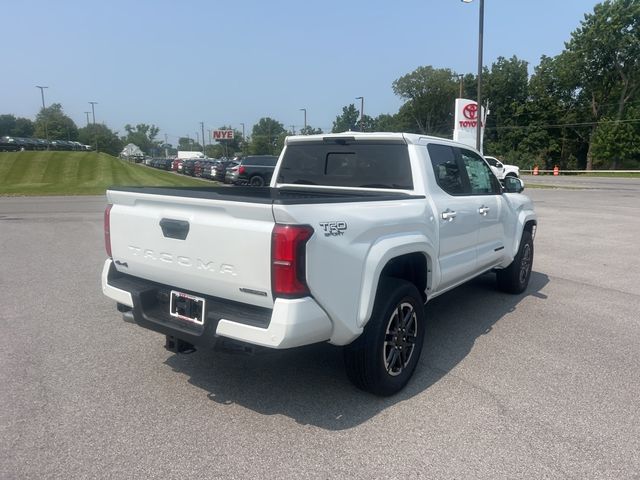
44, 116
95, 133
479, 115
203, 139
361, 113
480, 41
244, 139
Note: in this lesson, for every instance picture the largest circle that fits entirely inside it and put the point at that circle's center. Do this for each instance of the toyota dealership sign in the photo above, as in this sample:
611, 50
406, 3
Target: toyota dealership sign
466, 122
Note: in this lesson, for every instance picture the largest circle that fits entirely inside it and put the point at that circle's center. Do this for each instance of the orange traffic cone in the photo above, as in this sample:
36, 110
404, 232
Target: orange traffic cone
535, 169
556, 171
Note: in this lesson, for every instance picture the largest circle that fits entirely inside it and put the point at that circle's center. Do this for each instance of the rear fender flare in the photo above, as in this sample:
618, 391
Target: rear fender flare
379, 255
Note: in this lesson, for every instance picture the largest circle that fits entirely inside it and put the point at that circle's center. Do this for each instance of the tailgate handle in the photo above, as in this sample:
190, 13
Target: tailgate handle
178, 229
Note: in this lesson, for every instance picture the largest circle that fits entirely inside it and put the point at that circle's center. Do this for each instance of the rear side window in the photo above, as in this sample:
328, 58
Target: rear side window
446, 168
359, 164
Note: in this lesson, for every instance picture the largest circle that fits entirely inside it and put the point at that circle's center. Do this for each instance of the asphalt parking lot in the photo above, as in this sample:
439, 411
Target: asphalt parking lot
541, 385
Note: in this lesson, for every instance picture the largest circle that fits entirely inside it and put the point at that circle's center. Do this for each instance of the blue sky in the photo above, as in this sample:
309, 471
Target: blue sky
175, 64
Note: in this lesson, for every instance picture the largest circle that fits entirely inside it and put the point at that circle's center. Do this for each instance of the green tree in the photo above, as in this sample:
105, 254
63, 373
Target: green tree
267, 137
347, 121
507, 91
108, 140
309, 130
143, 135
189, 144
430, 98
389, 123
52, 122
603, 64
615, 144
15, 127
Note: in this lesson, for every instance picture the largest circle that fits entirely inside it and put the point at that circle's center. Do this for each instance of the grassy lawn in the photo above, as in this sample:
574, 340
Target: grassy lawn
77, 173
593, 173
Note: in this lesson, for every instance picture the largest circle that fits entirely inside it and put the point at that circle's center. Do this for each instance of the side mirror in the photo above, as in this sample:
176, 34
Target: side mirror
513, 185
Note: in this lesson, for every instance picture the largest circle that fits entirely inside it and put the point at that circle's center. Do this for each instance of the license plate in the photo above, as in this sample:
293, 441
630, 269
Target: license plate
187, 307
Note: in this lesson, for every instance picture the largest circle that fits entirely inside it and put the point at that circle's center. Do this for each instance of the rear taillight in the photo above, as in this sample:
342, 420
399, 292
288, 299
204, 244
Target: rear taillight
107, 229
241, 170
288, 252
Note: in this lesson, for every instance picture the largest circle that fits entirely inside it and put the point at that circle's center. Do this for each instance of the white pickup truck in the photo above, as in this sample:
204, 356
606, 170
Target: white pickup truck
355, 234
502, 170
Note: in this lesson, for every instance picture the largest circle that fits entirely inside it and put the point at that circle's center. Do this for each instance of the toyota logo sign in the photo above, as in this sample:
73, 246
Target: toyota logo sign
470, 111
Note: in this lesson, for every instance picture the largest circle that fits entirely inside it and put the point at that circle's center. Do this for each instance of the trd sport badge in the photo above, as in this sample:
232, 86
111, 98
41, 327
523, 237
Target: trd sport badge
334, 229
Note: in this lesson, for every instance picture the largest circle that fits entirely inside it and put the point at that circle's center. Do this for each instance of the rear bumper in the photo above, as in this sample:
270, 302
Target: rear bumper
291, 323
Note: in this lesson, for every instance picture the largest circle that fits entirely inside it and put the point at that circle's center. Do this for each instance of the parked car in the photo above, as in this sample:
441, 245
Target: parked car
220, 168
502, 170
189, 167
9, 144
166, 164
255, 170
203, 168
174, 164
231, 172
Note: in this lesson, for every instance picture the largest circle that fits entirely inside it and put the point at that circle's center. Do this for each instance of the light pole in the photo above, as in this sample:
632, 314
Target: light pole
460, 77
361, 113
87, 114
305, 119
95, 133
44, 116
479, 98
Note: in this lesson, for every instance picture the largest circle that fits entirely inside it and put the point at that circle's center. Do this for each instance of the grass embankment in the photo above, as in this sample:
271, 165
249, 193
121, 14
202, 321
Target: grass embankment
77, 173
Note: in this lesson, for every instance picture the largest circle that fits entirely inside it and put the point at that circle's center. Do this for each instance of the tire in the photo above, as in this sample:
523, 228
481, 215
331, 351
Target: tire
256, 181
515, 278
377, 361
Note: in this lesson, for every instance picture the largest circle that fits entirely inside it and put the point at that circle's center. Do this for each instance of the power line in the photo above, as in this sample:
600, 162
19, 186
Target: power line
562, 125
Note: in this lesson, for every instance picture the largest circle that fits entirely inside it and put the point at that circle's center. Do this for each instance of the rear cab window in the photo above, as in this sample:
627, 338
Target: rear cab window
357, 164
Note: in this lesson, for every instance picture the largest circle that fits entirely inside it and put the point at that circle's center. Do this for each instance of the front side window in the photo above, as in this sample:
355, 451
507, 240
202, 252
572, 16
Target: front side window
481, 178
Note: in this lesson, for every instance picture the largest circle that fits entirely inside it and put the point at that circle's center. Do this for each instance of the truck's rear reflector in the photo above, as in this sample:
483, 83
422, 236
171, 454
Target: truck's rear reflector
288, 251
107, 229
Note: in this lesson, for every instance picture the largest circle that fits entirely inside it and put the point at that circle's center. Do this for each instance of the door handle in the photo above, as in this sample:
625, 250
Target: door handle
483, 210
448, 215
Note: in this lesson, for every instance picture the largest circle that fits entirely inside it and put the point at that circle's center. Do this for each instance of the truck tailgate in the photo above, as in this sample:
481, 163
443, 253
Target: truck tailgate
209, 246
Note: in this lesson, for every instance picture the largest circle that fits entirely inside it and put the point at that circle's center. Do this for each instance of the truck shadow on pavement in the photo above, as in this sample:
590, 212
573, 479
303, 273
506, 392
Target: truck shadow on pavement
309, 384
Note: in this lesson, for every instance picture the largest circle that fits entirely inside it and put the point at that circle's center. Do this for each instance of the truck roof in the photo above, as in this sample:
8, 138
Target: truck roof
409, 138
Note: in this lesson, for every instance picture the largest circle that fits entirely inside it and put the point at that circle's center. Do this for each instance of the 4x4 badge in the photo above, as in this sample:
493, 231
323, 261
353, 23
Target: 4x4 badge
333, 229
